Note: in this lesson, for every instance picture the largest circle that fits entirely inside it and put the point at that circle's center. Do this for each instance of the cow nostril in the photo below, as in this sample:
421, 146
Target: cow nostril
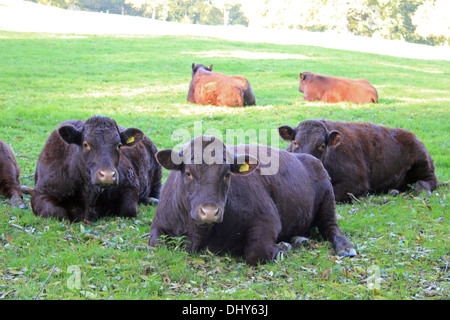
107, 176
209, 212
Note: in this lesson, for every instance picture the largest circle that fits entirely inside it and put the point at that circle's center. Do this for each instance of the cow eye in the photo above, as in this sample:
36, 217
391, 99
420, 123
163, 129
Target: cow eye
86, 146
227, 175
188, 173
119, 146
322, 147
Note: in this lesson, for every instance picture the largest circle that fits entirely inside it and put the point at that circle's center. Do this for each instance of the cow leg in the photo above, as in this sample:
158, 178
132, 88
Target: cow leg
16, 201
45, 206
425, 180
342, 189
260, 250
421, 175
78, 209
15, 196
231, 99
10, 188
260, 244
326, 221
422, 185
128, 206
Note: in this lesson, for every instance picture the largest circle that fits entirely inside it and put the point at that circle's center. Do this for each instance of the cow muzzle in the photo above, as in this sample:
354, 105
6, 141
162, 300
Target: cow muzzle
209, 214
106, 178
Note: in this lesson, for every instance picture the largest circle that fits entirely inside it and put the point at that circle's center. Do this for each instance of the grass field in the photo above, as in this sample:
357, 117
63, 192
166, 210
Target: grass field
403, 242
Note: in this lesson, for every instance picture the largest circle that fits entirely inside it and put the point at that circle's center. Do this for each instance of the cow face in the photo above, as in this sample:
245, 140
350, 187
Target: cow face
311, 137
99, 141
196, 67
304, 78
204, 173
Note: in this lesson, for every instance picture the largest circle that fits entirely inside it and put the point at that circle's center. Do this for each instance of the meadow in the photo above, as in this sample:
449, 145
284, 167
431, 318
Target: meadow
402, 242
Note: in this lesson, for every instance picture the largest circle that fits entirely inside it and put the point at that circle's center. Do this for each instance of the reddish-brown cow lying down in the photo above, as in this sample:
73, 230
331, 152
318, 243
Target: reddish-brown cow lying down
364, 158
9, 177
95, 168
228, 205
334, 89
219, 89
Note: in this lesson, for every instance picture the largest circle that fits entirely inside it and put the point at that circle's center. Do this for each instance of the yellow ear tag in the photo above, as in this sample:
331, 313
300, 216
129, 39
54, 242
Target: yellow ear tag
244, 167
130, 139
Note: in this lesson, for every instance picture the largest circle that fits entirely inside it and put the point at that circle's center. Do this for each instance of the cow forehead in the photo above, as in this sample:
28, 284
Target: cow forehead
208, 169
205, 149
311, 130
103, 129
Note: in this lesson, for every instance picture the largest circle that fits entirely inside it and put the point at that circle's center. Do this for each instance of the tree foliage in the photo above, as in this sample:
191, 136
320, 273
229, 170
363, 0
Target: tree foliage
390, 19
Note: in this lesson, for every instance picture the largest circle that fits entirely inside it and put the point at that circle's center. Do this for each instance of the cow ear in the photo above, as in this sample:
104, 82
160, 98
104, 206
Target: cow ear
210, 67
244, 164
70, 134
302, 76
131, 136
169, 159
334, 138
286, 133
193, 66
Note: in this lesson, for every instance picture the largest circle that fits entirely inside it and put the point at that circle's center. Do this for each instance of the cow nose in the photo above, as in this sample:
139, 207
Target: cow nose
209, 214
106, 177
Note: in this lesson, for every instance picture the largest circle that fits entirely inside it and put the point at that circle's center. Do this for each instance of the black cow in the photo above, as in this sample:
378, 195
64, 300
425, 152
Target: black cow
9, 177
94, 168
224, 202
364, 158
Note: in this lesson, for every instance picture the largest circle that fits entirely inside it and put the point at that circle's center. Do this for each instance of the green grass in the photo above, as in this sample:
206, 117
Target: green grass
143, 82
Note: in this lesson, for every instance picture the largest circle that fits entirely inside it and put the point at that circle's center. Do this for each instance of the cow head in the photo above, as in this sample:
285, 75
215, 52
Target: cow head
99, 140
204, 172
311, 136
196, 67
304, 78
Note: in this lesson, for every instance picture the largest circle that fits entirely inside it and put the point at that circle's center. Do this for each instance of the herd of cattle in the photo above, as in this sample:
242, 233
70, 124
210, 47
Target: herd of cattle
95, 168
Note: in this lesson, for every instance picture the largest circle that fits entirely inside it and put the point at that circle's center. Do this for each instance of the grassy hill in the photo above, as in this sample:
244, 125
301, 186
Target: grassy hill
142, 81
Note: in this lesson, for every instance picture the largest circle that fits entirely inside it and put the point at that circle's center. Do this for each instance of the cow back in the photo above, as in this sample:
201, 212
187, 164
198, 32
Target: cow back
376, 156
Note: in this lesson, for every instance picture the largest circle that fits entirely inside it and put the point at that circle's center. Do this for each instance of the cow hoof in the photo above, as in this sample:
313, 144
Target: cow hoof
284, 249
298, 241
17, 202
394, 192
284, 246
347, 253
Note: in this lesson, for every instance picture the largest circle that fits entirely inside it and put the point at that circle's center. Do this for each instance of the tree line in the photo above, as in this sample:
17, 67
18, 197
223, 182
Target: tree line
410, 20
211, 12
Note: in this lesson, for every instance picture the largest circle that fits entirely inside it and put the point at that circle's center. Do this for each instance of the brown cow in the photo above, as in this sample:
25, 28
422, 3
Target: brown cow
94, 168
9, 177
334, 89
226, 204
219, 89
364, 158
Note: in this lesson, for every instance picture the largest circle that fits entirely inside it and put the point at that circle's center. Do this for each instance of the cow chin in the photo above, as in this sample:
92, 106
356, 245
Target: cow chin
106, 185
